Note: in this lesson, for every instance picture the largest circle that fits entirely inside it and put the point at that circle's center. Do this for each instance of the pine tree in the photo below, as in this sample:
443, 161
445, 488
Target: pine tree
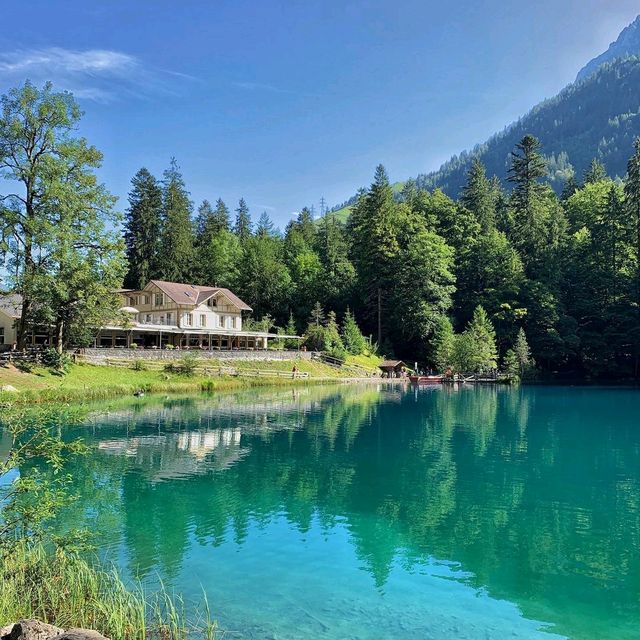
483, 339
522, 353
265, 225
143, 224
221, 216
632, 205
242, 227
332, 340
374, 224
354, 342
570, 187
443, 344
595, 173
176, 259
317, 315
203, 217
478, 197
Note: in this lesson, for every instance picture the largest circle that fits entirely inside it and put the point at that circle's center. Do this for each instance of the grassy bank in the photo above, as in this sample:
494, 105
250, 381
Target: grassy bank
65, 590
83, 382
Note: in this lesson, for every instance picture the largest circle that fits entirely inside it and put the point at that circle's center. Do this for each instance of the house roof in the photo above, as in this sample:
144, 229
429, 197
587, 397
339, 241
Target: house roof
11, 304
193, 294
391, 364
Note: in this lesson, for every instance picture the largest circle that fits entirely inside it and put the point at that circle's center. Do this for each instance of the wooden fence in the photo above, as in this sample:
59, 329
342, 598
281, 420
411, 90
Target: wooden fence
202, 368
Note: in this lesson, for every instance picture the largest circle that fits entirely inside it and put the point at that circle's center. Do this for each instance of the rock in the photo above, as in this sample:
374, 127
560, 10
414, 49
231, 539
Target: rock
7, 387
79, 634
5, 631
33, 630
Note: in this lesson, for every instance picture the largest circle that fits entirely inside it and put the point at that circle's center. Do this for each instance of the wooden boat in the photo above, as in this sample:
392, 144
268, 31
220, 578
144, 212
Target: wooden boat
435, 379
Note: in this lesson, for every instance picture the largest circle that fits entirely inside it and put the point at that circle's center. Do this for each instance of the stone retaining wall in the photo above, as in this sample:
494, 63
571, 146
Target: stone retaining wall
100, 355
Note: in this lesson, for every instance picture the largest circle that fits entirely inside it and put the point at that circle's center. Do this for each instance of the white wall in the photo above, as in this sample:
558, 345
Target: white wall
7, 324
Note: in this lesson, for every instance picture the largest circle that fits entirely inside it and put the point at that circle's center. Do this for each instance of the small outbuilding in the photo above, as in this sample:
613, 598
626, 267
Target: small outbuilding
393, 368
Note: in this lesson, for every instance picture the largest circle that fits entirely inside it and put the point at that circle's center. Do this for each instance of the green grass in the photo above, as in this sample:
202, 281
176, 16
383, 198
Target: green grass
67, 591
90, 382
369, 361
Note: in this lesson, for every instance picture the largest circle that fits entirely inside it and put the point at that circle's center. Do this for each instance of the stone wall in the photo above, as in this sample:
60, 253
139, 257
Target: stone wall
100, 355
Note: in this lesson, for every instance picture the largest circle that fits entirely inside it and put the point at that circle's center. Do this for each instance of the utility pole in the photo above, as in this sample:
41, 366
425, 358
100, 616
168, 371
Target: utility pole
323, 205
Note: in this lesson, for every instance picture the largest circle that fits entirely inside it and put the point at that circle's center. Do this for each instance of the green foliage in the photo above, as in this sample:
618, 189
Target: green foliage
511, 367
143, 225
139, 365
31, 501
54, 359
352, 338
186, 366
443, 344
176, 260
56, 218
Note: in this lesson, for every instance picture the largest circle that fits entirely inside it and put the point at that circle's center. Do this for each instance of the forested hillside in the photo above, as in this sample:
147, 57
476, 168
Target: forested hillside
494, 279
598, 117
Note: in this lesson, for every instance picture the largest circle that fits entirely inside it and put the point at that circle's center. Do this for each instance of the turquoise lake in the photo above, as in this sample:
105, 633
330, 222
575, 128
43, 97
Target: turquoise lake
377, 512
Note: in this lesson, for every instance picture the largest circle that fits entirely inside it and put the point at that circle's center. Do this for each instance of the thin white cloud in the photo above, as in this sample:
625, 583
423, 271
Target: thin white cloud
93, 74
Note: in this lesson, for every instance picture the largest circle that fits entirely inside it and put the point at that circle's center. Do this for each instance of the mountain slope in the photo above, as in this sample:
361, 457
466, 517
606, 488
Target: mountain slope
627, 44
596, 118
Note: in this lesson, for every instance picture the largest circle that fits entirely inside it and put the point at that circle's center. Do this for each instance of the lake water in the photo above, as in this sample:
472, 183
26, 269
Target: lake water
376, 512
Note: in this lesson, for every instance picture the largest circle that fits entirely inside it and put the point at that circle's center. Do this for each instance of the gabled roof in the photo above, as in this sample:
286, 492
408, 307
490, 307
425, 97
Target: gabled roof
11, 304
193, 294
391, 364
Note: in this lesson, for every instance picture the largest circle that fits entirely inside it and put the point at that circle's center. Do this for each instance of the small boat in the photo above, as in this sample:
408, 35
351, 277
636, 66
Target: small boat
434, 379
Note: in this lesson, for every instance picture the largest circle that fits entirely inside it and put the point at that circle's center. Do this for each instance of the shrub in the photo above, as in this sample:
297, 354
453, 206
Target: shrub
138, 365
54, 360
169, 347
133, 345
186, 366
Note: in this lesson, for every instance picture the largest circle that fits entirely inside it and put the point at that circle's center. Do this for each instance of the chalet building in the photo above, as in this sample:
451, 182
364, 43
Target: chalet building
162, 314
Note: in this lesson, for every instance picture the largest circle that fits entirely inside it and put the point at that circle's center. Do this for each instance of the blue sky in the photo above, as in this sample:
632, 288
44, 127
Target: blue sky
285, 102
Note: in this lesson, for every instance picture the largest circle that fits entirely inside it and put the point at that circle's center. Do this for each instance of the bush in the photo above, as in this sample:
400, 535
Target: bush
133, 345
138, 365
54, 360
186, 366
169, 347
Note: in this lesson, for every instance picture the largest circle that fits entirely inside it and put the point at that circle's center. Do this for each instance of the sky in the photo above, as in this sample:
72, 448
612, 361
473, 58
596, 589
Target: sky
284, 103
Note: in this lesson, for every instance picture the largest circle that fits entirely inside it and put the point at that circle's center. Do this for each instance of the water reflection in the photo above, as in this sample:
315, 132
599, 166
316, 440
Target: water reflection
532, 494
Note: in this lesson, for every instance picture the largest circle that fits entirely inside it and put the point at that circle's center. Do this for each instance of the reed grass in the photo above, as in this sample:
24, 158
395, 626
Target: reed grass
63, 589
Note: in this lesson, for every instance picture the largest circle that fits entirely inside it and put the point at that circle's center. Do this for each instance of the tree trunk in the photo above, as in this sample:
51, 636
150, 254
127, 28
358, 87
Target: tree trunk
59, 336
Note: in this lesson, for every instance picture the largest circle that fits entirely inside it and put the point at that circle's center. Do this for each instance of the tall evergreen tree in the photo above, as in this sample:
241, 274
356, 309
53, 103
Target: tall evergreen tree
479, 197
265, 225
143, 225
374, 224
176, 259
221, 216
595, 173
242, 227
205, 212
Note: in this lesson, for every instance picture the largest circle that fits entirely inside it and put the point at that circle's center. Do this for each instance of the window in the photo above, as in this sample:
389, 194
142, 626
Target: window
132, 301
234, 322
169, 318
1, 335
147, 318
203, 320
147, 299
188, 320
212, 302
159, 299
221, 322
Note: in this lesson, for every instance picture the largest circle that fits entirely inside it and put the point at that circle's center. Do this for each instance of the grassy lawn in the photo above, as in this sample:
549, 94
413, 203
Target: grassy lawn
86, 382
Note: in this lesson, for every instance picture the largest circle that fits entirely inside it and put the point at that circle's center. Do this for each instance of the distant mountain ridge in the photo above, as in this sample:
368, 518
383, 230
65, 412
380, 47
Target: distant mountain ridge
598, 116
627, 44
